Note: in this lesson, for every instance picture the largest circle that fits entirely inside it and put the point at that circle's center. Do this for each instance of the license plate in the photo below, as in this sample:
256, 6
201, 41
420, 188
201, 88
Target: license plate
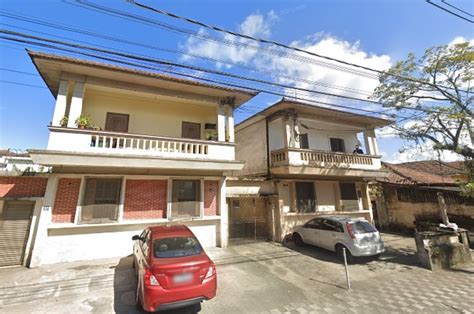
182, 278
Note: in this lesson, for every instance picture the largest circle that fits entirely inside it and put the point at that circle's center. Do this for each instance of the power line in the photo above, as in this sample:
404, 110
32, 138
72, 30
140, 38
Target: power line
456, 8
184, 75
191, 67
267, 41
121, 40
239, 45
449, 11
24, 84
16, 71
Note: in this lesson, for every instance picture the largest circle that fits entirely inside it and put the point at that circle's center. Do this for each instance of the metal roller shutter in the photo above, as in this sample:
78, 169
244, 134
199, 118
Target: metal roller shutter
15, 223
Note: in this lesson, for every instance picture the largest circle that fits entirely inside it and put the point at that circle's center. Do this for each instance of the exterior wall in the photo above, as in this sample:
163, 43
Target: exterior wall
66, 201
319, 140
22, 186
251, 147
145, 199
211, 190
327, 202
59, 238
275, 134
403, 214
147, 116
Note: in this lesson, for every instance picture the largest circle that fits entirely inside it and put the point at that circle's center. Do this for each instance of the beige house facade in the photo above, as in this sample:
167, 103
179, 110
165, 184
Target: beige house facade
128, 149
300, 158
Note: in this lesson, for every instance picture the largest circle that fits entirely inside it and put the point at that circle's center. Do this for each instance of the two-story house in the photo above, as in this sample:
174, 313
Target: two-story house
300, 162
130, 148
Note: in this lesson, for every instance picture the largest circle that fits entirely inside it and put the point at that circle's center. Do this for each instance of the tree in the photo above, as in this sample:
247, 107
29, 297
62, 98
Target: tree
436, 105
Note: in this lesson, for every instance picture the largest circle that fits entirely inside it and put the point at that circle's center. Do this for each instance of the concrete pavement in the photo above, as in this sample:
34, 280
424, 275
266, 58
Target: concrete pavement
254, 278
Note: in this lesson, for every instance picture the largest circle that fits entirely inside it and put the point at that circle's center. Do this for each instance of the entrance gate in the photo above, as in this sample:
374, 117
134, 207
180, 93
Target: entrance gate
248, 219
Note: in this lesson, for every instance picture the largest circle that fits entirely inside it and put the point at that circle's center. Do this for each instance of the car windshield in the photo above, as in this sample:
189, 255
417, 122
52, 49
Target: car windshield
176, 247
360, 227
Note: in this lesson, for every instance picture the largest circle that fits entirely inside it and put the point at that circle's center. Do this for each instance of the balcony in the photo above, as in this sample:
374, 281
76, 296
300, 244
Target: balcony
80, 147
316, 162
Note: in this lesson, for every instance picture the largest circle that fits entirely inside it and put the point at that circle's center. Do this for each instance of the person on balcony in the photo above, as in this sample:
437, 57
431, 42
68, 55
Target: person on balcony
357, 150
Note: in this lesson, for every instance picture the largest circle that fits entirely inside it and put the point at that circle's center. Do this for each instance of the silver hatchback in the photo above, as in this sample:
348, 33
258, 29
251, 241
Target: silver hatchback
334, 233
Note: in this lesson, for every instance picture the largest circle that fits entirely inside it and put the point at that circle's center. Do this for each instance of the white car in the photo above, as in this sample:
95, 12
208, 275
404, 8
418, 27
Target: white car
334, 233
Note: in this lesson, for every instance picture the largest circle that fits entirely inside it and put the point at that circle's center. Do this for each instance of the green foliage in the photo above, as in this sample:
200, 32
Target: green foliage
84, 121
64, 121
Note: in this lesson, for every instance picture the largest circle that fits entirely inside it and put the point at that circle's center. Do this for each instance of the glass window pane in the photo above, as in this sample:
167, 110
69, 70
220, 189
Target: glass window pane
176, 247
186, 198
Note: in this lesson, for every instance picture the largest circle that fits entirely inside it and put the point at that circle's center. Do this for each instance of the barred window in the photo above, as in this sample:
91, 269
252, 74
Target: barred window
101, 200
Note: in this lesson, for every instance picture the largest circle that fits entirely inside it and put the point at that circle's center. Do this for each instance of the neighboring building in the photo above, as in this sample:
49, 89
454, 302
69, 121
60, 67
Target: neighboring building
299, 163
17, 162
128, 149
410, 193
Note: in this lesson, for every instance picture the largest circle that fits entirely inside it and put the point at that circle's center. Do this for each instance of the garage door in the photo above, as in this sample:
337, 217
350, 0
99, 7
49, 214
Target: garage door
248, 219
15, 223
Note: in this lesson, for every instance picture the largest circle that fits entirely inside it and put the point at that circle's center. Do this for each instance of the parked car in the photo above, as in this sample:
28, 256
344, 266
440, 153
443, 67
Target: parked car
172, 268
334, 233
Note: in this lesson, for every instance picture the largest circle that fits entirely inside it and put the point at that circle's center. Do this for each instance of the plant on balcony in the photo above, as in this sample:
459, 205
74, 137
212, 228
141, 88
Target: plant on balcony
64, 121
84, 122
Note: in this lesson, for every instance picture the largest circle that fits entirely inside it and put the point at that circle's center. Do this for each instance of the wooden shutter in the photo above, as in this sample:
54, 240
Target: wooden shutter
14, 229
116, 122
191, 130
337, 145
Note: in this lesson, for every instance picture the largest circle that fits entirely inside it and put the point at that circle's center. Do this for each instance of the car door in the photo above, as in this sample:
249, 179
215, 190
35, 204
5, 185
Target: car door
310, 231
330, 232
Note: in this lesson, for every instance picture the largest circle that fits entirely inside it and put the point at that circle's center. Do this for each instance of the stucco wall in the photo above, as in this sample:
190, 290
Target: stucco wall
251, 148
275, 134
147, 116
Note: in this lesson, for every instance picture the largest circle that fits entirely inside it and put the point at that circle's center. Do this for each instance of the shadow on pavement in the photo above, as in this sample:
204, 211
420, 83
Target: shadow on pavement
405, 257
125, 283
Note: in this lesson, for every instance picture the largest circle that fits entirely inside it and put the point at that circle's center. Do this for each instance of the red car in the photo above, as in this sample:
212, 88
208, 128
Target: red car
172, 268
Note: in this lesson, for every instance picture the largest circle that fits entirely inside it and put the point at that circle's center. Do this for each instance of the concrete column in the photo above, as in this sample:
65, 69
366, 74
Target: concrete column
61, 103
286, 137
76, 104
230, 124
221, 123
291, 133
40, 244
368, 202
224, 213
371, 142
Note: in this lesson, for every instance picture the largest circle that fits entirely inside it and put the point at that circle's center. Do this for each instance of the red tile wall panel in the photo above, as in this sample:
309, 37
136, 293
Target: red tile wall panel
145, 199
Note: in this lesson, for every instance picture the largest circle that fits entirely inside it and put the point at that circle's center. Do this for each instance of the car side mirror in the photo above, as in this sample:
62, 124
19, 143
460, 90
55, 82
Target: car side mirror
136, 237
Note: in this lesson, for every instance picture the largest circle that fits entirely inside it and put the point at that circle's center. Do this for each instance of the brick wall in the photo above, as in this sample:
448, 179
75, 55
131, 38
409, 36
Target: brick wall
22, 186
145, 199
211, 189
65, 203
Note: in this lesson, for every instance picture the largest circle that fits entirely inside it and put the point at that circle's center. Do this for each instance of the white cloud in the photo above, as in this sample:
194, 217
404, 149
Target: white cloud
421, 152
282, 68
460, 39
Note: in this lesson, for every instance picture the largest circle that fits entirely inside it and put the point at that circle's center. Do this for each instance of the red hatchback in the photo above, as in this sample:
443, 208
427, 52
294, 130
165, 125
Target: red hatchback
172, 268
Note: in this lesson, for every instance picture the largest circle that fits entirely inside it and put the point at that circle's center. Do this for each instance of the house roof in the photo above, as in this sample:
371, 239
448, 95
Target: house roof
51, 67
311, 110
427, 172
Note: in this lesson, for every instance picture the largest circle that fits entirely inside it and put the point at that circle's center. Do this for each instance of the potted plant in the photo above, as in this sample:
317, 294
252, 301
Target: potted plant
83, 122
64, 121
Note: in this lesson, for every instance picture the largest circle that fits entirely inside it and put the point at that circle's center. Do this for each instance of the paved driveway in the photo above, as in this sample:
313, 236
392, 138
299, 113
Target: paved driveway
254, 278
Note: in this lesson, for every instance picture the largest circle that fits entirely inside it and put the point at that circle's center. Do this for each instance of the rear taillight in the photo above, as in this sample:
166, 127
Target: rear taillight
211, 271
149, 279
349, 230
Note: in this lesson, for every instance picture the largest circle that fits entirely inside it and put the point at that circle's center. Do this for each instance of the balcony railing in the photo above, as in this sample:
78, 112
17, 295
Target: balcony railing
323, 159
91, 141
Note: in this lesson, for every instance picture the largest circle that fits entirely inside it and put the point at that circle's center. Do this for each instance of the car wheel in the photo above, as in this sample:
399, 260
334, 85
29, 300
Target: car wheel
340, 254
298, 240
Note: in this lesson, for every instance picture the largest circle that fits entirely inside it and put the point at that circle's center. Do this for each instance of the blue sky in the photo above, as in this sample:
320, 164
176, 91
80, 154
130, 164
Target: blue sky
375, 33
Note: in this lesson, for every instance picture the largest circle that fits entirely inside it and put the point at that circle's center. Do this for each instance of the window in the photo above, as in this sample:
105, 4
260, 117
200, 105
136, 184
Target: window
116, 122
337, 145
348, 191
186, 198
330, 225
101, 200
176, 247
303, 139
191, 130
361, 227
314, 224
305, 198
